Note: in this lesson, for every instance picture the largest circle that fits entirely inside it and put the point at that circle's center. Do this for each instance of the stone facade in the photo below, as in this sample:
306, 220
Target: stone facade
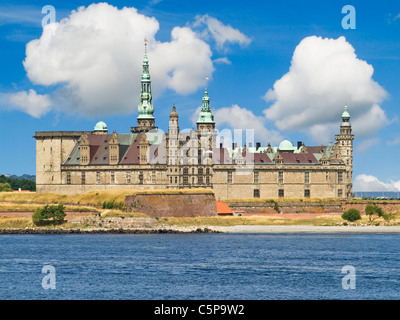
146, 158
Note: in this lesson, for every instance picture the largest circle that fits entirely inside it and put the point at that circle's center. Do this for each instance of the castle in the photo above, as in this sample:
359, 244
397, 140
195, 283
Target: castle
147, 158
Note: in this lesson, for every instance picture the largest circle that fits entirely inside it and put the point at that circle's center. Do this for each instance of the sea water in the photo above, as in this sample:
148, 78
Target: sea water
200, 266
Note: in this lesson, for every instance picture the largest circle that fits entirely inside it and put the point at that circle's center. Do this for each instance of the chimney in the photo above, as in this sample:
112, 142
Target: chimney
299, 144
220, 145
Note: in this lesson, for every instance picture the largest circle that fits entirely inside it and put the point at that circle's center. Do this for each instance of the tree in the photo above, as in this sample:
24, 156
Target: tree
16, 183
5, 187
373, 212
48, 215
351, 215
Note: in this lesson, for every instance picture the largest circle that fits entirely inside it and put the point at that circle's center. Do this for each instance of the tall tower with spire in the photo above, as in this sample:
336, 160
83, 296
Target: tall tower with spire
205, 121
145, 119
206, 130
344, 147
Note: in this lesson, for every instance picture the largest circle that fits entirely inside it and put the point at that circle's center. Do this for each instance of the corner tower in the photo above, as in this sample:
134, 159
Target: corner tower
146, 120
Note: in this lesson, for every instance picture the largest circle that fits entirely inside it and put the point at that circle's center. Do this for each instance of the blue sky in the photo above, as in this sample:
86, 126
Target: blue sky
86, 68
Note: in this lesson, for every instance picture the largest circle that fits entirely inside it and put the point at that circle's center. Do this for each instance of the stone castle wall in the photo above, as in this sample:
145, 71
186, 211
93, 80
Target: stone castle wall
173, 205
270, 207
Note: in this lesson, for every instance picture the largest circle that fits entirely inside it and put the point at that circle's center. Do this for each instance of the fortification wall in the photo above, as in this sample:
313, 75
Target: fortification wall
269, 207
173, 205
386, 206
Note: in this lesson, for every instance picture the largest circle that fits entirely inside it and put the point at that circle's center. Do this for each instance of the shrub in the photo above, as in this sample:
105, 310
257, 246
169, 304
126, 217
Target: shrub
389, 216
113, 205
49, 215
351, 215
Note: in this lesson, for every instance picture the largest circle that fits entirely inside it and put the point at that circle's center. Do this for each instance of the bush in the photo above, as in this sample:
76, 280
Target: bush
389, 216
113, 205
351, 215
49, 215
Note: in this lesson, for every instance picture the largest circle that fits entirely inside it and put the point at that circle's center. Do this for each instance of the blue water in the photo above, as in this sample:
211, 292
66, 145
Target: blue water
200, 266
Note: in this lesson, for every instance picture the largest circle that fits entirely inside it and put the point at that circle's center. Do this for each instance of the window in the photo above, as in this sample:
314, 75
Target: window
256, 178
200, 176
154, 177
307, 193
112, 179
306, 177
83, 178
208, 180
340, 193
280, 177
256, 193
340, 177
68, 177
281, 193
185, 176
128, 178
98, 177
229, 179
141, 177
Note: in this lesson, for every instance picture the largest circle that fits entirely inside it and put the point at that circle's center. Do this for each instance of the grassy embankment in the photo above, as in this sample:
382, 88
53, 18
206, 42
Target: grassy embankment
95, 200
108, 203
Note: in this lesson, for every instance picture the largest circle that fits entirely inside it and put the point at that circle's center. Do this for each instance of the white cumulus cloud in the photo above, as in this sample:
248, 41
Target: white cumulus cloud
220, 32
93, 59
367, 183
30, 102
324, 75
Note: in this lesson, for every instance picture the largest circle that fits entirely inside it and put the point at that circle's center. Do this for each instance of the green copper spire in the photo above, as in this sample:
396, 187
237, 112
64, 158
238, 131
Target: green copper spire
206, 115
345, 115
146, 107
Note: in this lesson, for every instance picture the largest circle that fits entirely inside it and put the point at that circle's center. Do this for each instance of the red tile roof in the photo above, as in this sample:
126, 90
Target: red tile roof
298, 158
223, 208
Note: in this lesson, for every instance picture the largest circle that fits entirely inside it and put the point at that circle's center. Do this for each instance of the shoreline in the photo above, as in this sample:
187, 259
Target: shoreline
106, 231
239, 229
307, 229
